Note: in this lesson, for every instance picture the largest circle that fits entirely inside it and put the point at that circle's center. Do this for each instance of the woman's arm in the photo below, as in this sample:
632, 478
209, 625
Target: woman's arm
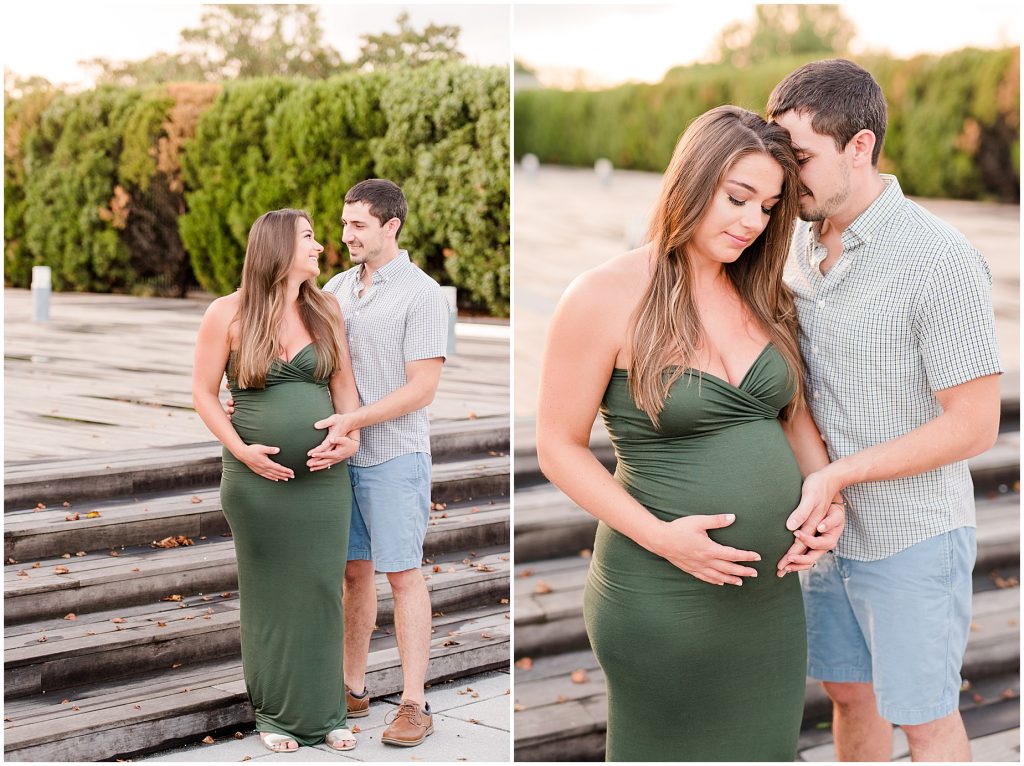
345, 397
828, 521
211, 356
583, 341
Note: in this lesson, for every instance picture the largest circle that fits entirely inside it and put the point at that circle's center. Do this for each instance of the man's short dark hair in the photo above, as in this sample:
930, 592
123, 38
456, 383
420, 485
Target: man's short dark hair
841, 98
384, 198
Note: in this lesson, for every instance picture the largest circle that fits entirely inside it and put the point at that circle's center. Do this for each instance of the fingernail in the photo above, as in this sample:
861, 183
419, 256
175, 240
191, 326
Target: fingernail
821, 527
730, 517
757, 558
754, 574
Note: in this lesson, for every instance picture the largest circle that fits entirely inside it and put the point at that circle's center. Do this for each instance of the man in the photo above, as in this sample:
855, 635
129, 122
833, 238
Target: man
898, 335
396, 320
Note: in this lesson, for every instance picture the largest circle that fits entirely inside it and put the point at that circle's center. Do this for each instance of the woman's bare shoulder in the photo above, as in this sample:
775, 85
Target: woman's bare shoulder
619, 281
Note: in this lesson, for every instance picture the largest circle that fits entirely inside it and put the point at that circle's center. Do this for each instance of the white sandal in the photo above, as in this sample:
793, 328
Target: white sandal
271, 741
340, 739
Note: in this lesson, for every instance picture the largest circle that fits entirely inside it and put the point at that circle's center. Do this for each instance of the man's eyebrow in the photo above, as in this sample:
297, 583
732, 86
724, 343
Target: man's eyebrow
750, 188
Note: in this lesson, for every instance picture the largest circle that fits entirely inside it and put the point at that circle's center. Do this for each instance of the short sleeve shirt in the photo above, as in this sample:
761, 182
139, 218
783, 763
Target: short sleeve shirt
905, 312
401, 317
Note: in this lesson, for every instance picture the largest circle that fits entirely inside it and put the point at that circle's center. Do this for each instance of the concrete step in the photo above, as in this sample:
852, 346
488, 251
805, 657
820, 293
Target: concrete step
163, 633
141, 574
549, 525
111, 719
549, 606
996, 468
136, 472
561, 713
137, 520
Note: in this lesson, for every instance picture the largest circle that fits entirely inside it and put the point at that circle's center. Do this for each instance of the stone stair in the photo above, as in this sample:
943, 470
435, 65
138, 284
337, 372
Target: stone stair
560, 700
116, 644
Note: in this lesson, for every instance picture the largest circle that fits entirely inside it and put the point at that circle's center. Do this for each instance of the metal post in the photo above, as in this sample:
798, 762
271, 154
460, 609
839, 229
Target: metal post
451, 293
41, 287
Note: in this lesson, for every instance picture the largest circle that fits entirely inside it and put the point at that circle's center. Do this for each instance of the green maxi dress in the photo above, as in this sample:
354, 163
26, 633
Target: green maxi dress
694, 671
291, 542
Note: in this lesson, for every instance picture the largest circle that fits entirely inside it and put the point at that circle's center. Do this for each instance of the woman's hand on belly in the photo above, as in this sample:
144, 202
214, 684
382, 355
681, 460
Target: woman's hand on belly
257, 458
686, 545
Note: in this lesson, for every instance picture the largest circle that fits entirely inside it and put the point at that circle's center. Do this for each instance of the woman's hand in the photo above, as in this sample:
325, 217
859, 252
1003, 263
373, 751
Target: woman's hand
685, 543
821, 521
256, 457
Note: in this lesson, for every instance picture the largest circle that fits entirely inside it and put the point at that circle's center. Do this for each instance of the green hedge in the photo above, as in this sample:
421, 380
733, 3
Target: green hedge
96, 193
953, 119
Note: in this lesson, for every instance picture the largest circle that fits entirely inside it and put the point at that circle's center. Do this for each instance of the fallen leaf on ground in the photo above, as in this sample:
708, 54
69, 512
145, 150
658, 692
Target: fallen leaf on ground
196, 499
561, 698
117, 620
207, 740
40, 507
65, 702
137, 707
977, 698
91, 515
114, 553
61, 570
356, 730
65, 555
503, 601
239, 735
586, 553
72, 517
161, 624
526, 573
66, 504
474, 509
436, 568
43, 639
1008, 694
484, 568
226, 594
542, 587
172, 597
37, 565
22, 573
525, 663
485, 635
70, 616
472, 415
579, 676
172, 542
518, 707
451, 642
81, 553
175, 665
75, 708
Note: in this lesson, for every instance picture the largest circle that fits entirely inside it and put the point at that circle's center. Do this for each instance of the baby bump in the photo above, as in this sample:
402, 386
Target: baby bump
283, 416
747, 470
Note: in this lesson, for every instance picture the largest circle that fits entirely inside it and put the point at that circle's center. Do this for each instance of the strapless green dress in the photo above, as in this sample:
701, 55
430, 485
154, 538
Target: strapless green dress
291, 541
700, 672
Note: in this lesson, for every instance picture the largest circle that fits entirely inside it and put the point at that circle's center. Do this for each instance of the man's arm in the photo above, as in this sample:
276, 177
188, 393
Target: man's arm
967, 427
422, 378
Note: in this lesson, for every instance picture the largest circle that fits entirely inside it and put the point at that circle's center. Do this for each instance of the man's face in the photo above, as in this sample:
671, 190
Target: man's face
824, 170
363, 234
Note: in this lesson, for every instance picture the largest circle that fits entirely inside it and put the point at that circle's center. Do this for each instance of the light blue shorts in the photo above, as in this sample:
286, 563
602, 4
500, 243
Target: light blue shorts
390, 508
899, 623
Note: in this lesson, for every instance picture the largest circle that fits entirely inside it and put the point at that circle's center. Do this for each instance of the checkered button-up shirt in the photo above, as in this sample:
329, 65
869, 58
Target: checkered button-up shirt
905, 312
401, 317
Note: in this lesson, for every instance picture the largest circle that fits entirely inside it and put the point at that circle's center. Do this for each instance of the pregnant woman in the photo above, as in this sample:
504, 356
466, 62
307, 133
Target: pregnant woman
282, 343
688, 348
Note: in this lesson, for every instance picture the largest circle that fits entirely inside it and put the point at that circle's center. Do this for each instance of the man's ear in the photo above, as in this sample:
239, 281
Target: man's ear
392, 225
862, 144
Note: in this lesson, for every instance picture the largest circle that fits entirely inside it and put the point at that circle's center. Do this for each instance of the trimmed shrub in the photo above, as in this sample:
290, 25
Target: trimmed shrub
953, 119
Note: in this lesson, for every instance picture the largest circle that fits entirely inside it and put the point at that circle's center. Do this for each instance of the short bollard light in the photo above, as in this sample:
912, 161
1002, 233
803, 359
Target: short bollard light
603, 168
452, 294
530, 164
41, 287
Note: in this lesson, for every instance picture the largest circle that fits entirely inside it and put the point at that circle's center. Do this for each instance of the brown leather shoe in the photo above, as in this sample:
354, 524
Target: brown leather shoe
358, 707
409, 725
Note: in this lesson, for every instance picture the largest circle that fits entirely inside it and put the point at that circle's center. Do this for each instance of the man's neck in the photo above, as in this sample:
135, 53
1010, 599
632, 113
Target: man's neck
386, 256
859, 201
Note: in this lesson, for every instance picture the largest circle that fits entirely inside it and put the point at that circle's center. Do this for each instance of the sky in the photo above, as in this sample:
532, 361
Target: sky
603, 45
33, 45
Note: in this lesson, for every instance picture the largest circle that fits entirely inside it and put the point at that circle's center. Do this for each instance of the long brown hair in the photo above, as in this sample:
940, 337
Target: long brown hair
666, 325
269, 254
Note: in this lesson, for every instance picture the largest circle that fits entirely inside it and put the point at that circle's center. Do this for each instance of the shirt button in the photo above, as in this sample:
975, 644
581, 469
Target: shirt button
821, 304
814, 350
816, 394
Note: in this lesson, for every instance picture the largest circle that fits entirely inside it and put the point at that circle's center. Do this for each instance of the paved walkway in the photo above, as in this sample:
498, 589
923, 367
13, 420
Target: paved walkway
113, 372
566, 222
471, 723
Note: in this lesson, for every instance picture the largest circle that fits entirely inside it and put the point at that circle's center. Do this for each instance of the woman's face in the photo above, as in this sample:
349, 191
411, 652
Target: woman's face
739, 209
306, 262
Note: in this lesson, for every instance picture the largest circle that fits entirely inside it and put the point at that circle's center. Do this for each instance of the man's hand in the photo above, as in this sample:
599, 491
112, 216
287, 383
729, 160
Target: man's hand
337, 446
686, 545
816, 521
